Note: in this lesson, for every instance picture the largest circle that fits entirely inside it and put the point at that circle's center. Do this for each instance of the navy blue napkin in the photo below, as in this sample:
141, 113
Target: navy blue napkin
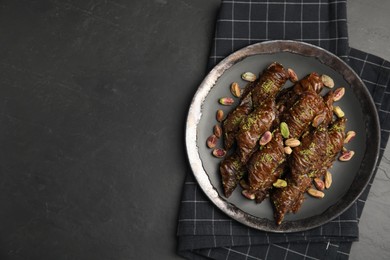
204, 232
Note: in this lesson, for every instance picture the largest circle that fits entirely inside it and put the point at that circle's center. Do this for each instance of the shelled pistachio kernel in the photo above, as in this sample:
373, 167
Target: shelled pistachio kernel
346, 156
248, 195
349, 136
315, 193
338, 94
265, 138
338, 111
284, 130
328, 81
328, 179
219, 115
287, 150
318, 120
279, 183
217, 131
292, 75
219, 153
211, 141
235, 89
319, 184
226, 101
292, 142
248, 76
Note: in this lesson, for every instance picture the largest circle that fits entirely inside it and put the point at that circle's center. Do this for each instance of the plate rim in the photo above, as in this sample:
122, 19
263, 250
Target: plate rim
195, 114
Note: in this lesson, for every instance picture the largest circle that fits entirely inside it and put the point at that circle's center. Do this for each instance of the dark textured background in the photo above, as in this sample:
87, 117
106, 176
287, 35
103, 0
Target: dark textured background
93, 100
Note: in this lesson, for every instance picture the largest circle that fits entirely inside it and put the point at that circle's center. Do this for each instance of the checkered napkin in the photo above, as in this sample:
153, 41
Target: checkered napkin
204, 232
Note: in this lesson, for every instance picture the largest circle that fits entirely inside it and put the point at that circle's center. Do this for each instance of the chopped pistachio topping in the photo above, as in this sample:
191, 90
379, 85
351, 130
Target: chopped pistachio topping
266, 158
267, 86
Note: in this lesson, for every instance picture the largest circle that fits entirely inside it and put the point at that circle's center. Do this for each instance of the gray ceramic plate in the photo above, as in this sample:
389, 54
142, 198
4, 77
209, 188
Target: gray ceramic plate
349, 178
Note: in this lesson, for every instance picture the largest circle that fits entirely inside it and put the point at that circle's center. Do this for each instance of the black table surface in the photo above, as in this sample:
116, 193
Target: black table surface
94, 96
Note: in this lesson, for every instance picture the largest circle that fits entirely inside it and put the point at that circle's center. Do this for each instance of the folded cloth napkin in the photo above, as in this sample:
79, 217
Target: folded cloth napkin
204, 232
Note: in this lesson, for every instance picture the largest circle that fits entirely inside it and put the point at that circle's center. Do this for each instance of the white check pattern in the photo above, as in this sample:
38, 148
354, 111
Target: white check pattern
241, 23
206, 233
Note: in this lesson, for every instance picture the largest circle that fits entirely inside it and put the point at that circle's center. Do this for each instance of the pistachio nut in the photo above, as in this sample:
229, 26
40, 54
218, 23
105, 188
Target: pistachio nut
284, 130
226, 101
292, 142
279, 183
219, 115
217, 131
211, 141
319, 184
219, 153
315, 193
287, 150
349, 136
328, 179
292, 75
318, 120
265, 138
338, 94
248, 76
328, 81
235, 89
338, 111
346, 156
248, 195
